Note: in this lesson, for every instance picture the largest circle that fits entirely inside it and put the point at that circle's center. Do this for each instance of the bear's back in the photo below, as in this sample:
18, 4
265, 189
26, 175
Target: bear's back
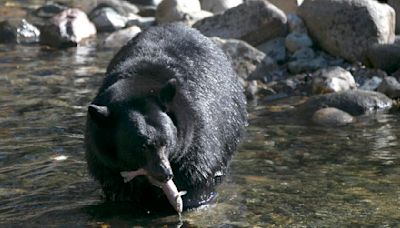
209, 104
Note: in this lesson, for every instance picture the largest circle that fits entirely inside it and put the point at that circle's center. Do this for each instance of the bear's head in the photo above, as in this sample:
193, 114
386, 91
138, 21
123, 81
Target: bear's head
133, 128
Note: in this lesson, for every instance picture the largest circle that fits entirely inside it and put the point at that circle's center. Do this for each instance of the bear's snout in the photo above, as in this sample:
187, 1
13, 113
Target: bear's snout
161, 173
158, 166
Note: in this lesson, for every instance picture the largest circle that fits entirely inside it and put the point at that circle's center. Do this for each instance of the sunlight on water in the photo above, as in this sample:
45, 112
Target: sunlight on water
285, 173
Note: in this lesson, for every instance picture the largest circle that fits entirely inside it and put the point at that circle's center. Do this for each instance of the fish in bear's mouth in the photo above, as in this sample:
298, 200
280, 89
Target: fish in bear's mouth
169, 188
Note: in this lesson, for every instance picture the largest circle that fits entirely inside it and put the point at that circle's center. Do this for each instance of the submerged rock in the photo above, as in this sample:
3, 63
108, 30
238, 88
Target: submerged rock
354, 102
253, 21
18, 31
332, 117
66, 29
347, 28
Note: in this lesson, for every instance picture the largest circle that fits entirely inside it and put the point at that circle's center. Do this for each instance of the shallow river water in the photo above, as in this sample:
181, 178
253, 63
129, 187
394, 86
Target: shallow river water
285, 174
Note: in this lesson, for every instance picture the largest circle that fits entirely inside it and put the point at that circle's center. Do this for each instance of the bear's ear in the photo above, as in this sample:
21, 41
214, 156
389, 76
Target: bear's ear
168, 92
99, 114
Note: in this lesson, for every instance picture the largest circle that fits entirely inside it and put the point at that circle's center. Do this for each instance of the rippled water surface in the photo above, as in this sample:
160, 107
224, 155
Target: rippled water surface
285, 173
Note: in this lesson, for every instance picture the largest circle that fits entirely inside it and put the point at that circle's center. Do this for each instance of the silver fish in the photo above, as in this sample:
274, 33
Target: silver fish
169, 188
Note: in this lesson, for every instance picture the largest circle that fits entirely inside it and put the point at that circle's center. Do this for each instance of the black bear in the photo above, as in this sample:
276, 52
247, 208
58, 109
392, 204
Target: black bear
170, 108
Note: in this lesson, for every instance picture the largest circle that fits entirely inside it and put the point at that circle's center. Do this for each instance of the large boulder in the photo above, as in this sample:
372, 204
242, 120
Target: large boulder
347, 28
66, 29
254, 22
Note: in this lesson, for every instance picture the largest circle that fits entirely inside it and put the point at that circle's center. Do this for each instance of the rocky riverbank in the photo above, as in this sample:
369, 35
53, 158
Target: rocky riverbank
343, 54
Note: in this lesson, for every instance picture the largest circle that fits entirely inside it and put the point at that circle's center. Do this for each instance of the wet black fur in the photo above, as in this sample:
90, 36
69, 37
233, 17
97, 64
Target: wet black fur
200, 114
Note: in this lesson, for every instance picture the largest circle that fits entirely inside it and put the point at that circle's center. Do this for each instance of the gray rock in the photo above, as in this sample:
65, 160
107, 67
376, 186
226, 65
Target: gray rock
395, 4
246, 60
371, 84
396, 40
250, 89
254, 22
303, 53
218, 6
119, 38
347, 28
146, 2
123, 8
66, 29
332, 117
295, 41
177, 10
275, 49
142, 22
332, 79
390, 86
107, 19
289, 86
306, 65
147, 11
385, 57
50, 9
18, 31
296, 24
361, 73
354, 102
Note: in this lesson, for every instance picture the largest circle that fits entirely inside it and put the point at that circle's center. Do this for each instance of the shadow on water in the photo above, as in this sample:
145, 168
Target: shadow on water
286, 173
